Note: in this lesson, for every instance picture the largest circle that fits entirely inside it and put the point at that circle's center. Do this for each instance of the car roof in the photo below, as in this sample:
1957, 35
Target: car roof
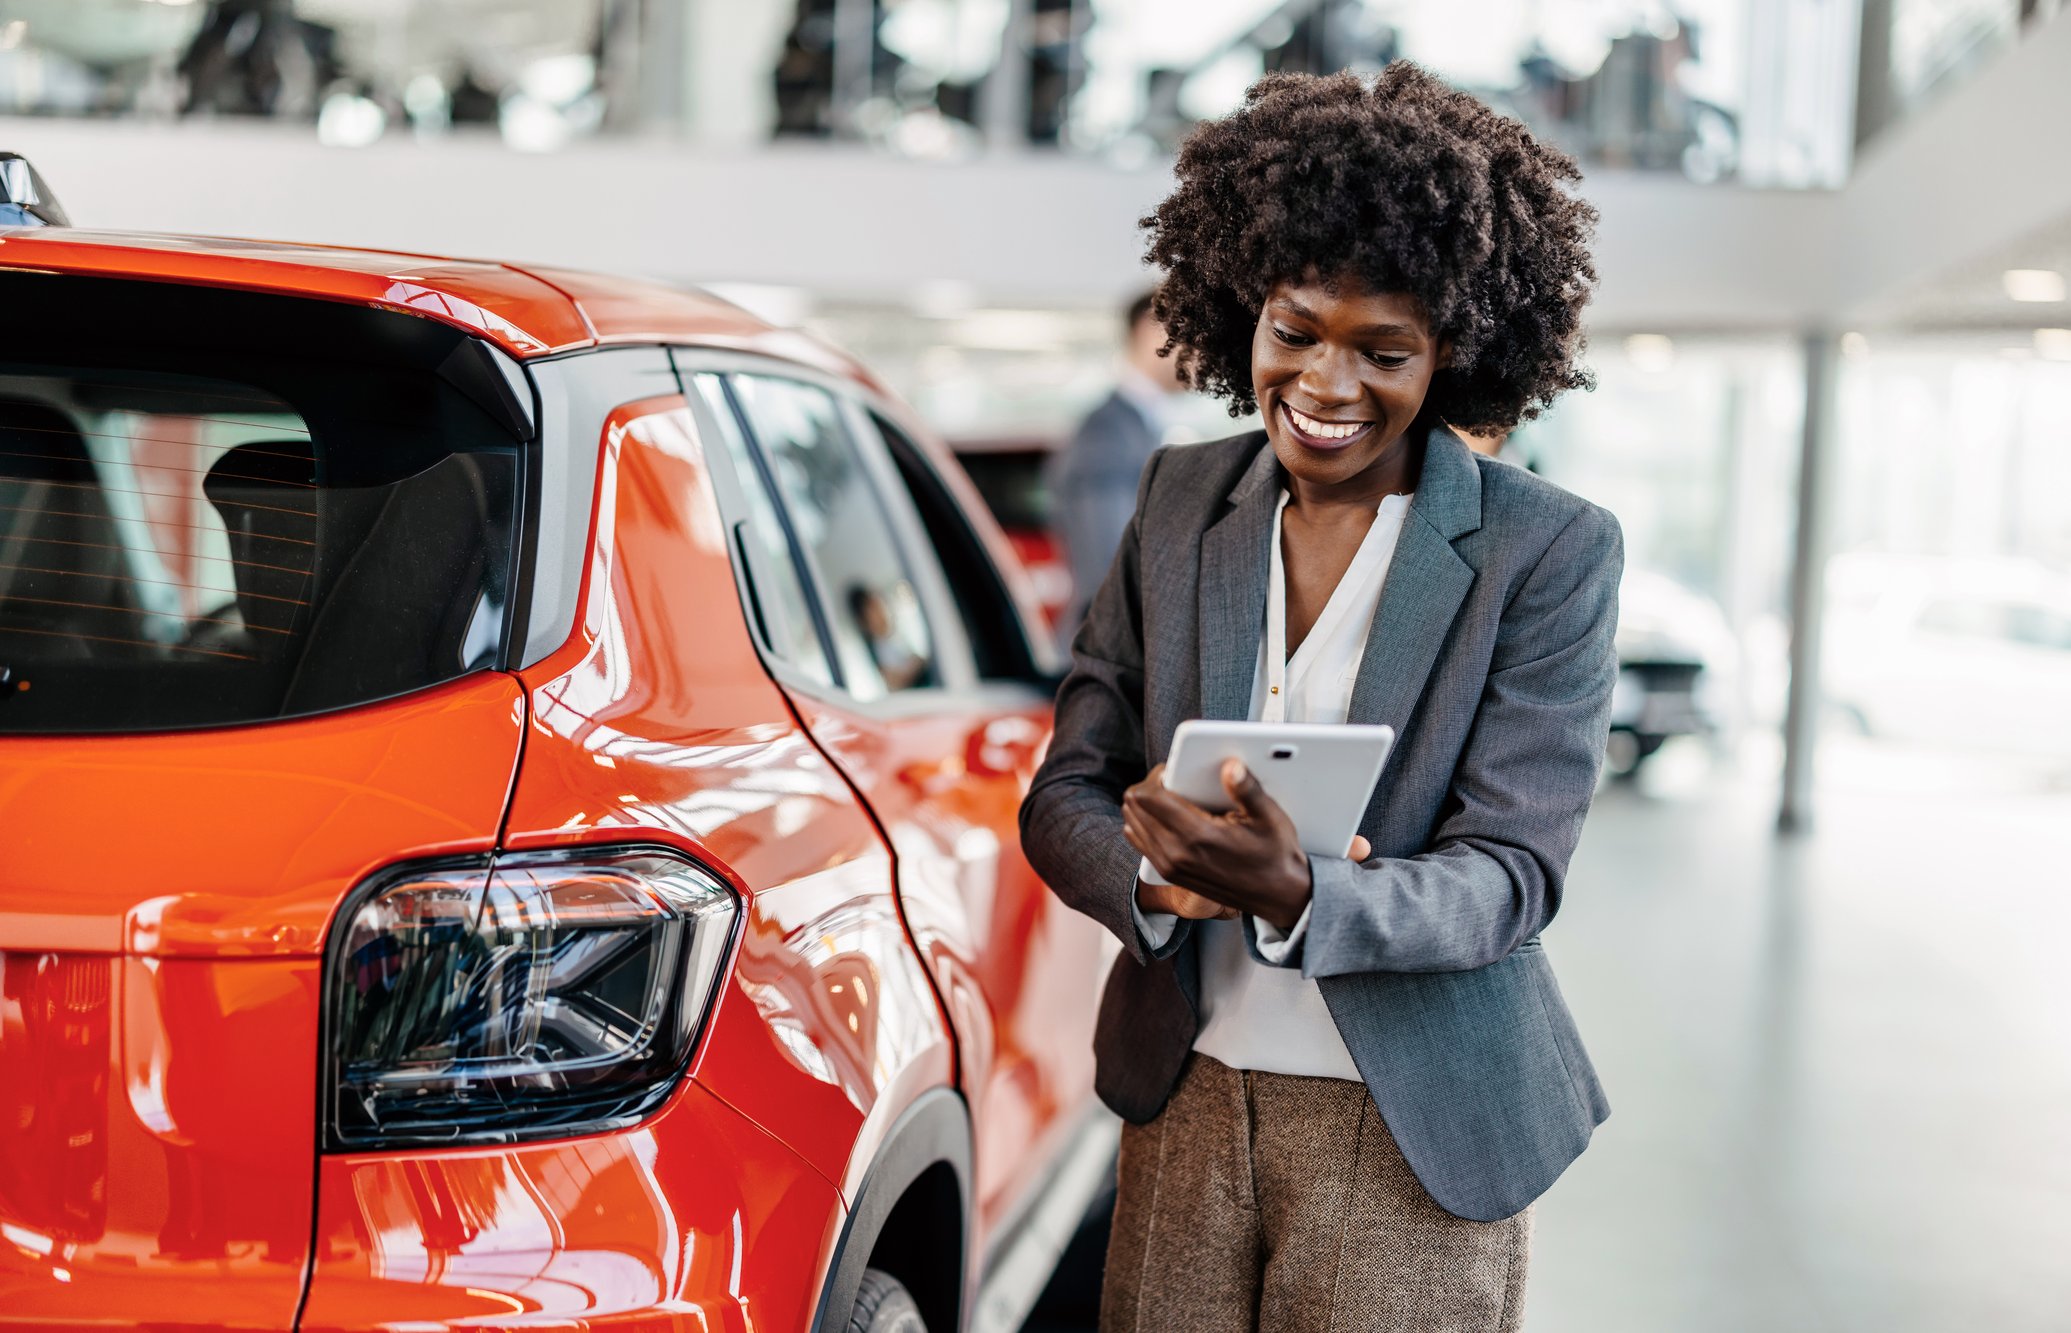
527, 310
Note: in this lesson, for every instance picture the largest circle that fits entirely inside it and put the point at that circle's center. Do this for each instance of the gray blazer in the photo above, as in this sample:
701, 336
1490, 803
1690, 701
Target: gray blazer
1093, 482
1491, 656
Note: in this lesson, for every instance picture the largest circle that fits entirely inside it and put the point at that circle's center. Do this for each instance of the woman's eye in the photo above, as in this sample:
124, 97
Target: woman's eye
1388, 360
1291, 338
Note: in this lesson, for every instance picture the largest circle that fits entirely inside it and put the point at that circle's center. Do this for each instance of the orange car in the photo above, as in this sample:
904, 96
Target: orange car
507, 815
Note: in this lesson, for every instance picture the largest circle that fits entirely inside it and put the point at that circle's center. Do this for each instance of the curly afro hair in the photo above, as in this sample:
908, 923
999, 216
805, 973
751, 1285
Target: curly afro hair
1404, 185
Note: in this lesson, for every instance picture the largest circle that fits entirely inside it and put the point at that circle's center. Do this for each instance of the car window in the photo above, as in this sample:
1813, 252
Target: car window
1967, 617
991, 621
880, 633
782, 609
2039, 627
2019, 622
217, 532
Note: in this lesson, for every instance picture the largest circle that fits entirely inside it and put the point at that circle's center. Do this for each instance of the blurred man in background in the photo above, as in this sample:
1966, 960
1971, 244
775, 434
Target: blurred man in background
1093, 479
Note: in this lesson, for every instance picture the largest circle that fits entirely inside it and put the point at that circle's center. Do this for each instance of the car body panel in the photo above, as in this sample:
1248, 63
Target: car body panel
631, 310
242, 841
1016, 971
158, 1008
154, 1170
525, 311
694, 1220
657, 721
514, 310
944, 770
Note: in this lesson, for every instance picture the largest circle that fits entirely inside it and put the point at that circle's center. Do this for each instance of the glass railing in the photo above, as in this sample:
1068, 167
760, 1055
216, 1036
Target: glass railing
1654, 85
1914, 50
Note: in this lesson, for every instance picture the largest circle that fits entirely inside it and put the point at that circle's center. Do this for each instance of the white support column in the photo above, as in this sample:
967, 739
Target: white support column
1798, 126
1808, 579
1003, 102
729, 61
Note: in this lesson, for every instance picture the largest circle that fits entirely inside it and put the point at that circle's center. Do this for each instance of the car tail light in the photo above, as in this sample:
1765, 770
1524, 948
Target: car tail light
549, 994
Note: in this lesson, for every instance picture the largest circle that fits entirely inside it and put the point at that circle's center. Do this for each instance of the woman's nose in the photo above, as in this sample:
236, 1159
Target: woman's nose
1330, 379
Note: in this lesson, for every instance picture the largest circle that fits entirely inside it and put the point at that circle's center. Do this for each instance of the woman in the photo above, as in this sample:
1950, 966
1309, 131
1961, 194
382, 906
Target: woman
1345, 1079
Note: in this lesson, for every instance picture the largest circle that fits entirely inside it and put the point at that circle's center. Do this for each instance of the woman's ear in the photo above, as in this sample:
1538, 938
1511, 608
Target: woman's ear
1445, 353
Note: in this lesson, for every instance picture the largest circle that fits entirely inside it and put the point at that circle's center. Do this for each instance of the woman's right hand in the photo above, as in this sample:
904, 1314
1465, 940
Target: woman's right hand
1170, 897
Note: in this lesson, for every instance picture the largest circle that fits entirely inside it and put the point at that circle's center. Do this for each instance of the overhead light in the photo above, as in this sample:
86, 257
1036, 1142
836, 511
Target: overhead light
348, 120
2053, 344
12, 32
1854, 346
2033, 284
1651, 352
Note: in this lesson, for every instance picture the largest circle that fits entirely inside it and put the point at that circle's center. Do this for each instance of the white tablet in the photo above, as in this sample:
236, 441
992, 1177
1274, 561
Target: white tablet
1322, 775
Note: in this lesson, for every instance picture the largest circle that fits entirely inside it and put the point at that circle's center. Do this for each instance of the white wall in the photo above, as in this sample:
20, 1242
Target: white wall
1983, 167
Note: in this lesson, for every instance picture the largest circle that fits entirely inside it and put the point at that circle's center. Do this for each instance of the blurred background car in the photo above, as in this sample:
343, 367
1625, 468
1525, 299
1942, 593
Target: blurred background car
1676, 656
1950, 651
1009, 473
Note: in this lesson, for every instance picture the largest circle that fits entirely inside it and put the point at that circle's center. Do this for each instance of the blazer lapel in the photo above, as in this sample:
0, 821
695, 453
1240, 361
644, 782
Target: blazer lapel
1427, 580
1232, 590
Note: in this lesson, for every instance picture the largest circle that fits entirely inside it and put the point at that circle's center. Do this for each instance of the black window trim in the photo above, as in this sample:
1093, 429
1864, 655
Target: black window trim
574, 393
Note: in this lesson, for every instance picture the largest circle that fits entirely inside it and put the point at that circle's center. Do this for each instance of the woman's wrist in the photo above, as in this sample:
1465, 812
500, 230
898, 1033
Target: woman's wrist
1288, 902
1157, 898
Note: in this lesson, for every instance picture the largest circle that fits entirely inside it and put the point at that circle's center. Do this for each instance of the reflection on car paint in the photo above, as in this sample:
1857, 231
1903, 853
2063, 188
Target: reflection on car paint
139, 1182
658, 717
654, 1222
340, 792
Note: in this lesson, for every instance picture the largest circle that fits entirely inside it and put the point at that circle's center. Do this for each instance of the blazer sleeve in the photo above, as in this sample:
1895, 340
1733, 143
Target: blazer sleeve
1071, 821
1499, 857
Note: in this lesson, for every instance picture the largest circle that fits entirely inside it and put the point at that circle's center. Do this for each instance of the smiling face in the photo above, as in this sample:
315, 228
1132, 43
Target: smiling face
1339, 377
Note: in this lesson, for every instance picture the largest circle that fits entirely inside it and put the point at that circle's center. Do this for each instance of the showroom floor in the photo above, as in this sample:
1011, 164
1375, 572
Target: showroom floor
1841, 1064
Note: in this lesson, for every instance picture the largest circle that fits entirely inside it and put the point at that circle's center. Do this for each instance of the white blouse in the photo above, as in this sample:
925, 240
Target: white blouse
1255, 1016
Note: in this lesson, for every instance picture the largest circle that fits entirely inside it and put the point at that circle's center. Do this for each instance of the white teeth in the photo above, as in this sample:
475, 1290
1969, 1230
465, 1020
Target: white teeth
1324, 430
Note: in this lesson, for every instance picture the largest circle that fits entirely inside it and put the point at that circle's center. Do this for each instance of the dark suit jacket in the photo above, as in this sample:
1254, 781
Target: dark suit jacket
1093, 482
1491, 656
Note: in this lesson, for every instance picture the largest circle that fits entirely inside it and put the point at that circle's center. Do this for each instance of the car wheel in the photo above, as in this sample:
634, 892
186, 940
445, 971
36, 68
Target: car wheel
883, 1305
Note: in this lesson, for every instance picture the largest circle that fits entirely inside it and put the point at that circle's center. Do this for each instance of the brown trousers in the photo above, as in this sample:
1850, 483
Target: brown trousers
1280, 1203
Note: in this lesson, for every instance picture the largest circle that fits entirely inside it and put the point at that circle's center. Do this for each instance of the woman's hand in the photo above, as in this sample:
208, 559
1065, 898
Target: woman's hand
1246, 859
1169, 898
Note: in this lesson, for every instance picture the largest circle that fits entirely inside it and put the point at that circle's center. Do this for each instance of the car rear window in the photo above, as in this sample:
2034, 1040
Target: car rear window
218, 508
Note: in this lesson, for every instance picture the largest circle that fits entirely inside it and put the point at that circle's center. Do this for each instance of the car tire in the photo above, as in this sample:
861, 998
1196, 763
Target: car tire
883, 1305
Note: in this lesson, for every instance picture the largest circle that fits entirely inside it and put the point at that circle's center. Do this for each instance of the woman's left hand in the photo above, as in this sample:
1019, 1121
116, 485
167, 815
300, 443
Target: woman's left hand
1248, 858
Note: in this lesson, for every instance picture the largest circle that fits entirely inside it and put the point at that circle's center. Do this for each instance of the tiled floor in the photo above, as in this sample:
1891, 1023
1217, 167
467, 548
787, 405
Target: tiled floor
1840, 1064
